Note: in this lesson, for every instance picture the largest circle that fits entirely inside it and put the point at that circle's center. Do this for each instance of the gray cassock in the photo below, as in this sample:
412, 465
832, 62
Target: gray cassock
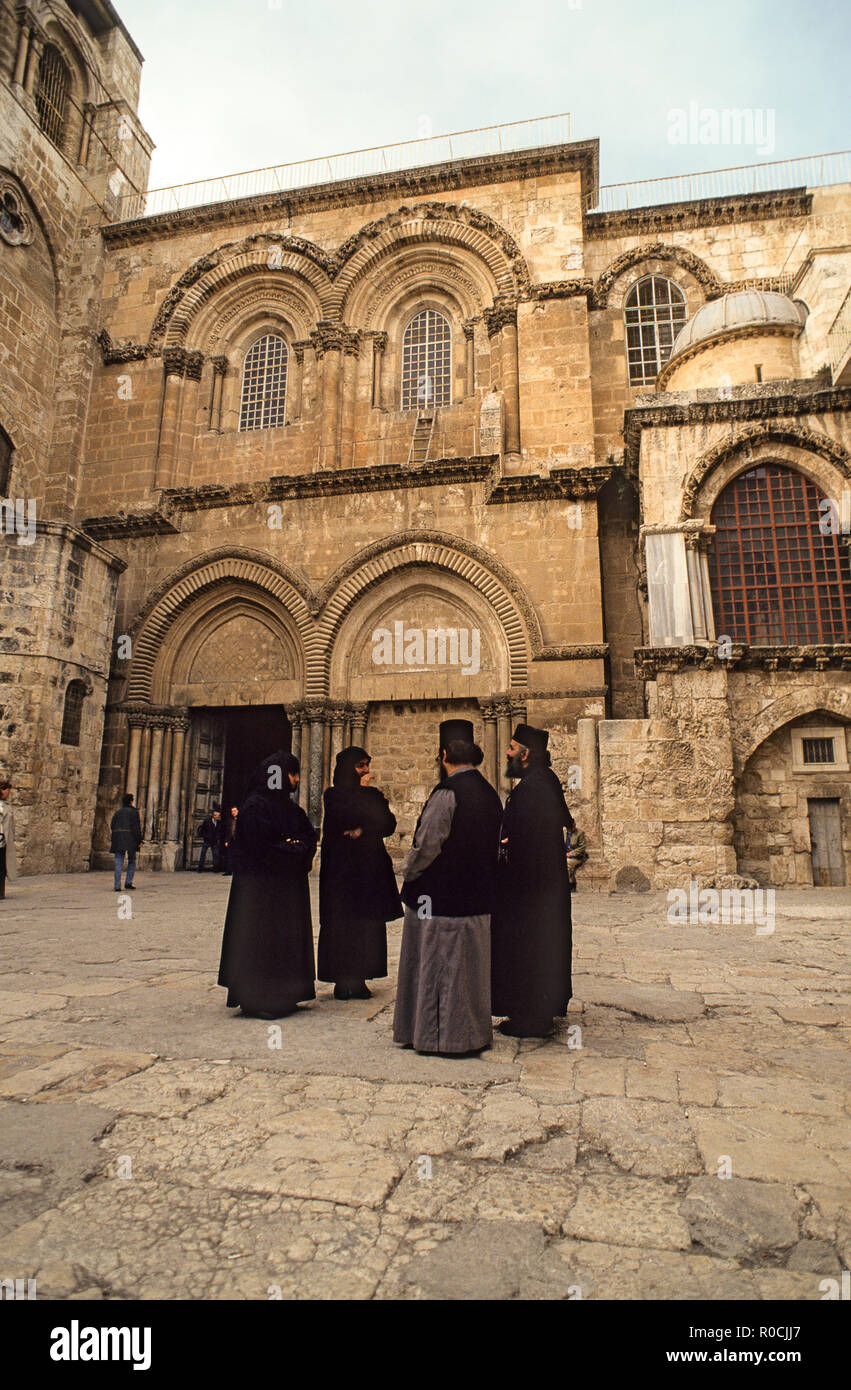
443, 997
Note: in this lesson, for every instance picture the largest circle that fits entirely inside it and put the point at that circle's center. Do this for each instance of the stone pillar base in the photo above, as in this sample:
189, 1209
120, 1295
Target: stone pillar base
172, 855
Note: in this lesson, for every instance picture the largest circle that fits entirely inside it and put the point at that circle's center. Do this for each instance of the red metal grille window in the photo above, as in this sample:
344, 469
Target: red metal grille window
776, 578
51, 94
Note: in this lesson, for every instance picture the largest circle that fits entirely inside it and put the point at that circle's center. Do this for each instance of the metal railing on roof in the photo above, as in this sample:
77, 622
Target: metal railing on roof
379, 159
810, 171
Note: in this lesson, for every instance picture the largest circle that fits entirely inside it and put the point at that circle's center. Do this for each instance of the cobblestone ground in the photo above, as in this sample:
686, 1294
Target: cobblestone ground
154, 1145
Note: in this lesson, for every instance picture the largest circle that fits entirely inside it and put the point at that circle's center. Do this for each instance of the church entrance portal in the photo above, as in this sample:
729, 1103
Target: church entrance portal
226, 744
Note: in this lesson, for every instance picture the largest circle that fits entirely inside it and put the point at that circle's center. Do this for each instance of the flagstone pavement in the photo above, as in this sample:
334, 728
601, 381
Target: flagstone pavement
684, 1135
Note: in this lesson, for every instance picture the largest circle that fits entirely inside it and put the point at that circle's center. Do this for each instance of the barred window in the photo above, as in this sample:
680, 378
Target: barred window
654, 312
426, 361
819, 750
264, 385
73, 713
776, 577
51, 93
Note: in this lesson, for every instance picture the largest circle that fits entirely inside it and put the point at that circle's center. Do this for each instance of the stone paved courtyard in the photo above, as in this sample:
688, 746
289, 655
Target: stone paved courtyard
155, 1146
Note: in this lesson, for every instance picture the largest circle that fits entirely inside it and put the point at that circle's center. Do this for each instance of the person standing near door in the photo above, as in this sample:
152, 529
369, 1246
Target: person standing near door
126, 831
357, 886
210, 830
8, 863
267, 963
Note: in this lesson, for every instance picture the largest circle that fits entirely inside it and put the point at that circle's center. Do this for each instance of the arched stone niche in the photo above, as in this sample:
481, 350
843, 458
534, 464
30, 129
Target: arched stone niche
419, 636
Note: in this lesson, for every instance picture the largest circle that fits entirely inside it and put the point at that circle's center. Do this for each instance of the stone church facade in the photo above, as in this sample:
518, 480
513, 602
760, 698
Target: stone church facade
328, 465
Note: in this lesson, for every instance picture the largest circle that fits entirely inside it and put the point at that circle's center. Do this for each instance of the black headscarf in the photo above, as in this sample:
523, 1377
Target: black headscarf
345, 775
283, 763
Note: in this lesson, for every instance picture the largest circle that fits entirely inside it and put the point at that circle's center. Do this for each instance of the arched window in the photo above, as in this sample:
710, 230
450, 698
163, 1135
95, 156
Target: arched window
655, 311
5, 462
778, 573
264, 385
73, 713
426, 362
51, 93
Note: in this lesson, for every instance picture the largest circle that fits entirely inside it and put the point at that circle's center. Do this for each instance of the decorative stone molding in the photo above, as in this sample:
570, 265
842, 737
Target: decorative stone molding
700, 212
563, 289
380, 340
500, 316
178, 362
766, 406
114, 353
383, 477
329, 336
468, 327
656, 251
131, 525
594, 651
577, 483
747, 440
649, 661
219, 365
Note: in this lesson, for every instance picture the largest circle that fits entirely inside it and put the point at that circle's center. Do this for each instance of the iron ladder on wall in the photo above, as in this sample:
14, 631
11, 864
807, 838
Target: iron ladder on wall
422, 436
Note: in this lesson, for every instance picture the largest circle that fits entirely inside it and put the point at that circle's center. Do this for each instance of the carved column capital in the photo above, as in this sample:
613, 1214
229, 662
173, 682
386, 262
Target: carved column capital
500, 316
330, 336
219, 365
469, 328
380, 341
174, 361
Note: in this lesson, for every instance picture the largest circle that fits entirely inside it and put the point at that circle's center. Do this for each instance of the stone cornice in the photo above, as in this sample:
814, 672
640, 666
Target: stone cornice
79, 537
129, 525
561, 483
594, 651
701, 212
384, 477
113, 353
649, 661
423, 182
563, 289
721, 411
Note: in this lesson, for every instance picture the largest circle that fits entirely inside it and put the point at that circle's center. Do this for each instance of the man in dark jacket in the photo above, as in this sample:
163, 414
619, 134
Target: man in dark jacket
531, 929
443, 995
210, 831
126, 831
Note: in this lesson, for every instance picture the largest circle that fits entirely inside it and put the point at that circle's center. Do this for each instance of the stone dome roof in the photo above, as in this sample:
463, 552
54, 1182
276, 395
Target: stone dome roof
732, 312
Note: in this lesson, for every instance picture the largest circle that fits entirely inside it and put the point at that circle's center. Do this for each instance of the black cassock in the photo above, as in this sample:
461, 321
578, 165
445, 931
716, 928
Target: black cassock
531, 943
357, 886
267, 949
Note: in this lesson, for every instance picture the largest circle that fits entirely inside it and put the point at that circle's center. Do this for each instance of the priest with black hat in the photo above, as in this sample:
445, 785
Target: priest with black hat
443, 995
531, 929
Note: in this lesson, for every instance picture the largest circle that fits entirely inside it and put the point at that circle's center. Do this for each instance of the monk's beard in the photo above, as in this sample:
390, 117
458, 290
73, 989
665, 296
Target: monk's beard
514, 766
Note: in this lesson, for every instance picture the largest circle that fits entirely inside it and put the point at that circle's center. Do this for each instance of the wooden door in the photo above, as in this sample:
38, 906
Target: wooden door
826, 843
206, 774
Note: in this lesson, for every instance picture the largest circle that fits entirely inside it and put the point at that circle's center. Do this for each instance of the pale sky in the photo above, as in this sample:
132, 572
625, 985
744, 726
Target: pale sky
230, 85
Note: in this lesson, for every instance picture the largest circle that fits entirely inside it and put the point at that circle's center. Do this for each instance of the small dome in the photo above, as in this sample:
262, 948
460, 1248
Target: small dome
731, 312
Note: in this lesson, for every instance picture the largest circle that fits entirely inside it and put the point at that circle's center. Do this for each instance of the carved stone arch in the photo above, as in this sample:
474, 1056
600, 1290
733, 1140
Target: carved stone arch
74, 35
414, 269
424, 549
267, 251
170, 599
823, 460
606, 296
794, 705
431, 223
222, 319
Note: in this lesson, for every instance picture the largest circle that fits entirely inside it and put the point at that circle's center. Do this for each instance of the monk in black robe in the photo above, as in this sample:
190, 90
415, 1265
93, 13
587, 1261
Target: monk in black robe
357, 886
531, 943
267, 948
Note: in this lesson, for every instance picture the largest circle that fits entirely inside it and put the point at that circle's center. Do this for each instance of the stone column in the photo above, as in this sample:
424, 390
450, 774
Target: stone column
302, 796
469, 358
23, 50
349, 394
295, 386
295, 718
317, 716
220, 371
131, 781
175, 786
379, 346
589, 773
174, 364
338, 730
86, 132
144, 764
491, 751
329, 339
502, 709
502, 320
358, 716
36, 47
150, 823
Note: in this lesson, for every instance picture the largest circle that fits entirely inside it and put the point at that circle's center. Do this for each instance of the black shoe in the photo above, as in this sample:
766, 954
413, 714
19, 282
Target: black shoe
130, 887
510, 1029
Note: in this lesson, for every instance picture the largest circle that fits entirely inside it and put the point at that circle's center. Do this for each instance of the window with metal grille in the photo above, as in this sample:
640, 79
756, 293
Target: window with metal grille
819, 750
776, 578
264, 385
51, 93
654, 313
73, 713
426, 361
